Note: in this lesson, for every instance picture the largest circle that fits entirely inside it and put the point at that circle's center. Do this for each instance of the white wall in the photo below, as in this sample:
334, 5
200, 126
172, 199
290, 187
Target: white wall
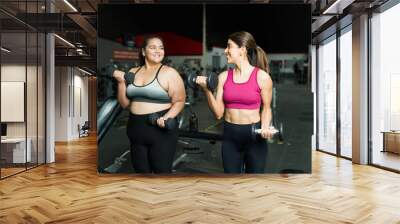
70, 83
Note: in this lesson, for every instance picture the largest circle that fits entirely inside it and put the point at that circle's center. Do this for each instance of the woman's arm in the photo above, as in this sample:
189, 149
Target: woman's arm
121, 95
176, 90
265, 83
216, 102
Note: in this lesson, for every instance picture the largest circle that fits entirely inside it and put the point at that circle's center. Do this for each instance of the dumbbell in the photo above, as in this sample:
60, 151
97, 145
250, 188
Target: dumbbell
212, 81
170, 123
255, 133
280, 134
109, 69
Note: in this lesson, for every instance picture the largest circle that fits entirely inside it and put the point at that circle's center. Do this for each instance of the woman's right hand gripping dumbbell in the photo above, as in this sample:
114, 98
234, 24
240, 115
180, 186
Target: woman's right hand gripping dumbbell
119, 75
202, 81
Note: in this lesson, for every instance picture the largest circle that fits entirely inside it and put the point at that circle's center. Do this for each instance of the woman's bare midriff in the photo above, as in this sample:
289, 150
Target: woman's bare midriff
242, 116
147, 108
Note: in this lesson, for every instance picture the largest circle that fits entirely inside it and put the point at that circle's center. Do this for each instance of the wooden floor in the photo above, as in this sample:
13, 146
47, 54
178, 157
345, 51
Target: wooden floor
10, 171
71, 191
387, 159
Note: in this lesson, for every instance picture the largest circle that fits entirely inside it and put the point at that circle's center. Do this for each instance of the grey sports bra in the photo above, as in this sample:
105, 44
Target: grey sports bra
152, 92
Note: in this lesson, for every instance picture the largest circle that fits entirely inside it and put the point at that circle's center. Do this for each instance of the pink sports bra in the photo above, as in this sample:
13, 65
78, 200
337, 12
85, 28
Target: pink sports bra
245, 95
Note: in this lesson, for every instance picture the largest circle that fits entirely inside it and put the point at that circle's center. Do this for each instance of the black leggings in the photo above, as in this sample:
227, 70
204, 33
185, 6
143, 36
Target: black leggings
239, 152
152, 148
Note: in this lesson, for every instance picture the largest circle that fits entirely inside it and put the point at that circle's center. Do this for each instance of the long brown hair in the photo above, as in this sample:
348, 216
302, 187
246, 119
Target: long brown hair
255, 54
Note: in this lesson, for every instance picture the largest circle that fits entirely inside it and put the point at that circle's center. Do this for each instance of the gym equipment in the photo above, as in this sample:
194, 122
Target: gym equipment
255, 133
106, 116
193, 123
179, 160
129, 77
83, 131
212, 81
187, 119
170, 123
118, 162
280, 133
275, 117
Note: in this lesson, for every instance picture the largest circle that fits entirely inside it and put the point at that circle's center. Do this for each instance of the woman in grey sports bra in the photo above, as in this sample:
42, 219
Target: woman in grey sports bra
156, 88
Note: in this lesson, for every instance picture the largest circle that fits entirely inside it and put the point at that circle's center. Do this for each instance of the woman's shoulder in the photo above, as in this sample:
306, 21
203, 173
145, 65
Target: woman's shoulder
261, 73
168, 70
223, 76
135, 69
263, 77
168, 73
224, 73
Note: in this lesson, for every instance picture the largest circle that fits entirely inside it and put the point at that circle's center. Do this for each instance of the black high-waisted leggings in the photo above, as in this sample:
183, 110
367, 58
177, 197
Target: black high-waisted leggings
240, 153
152, 148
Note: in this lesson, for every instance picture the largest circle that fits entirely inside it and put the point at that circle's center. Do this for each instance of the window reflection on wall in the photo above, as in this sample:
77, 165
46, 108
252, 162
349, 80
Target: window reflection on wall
346, 93
385, 86
327, 96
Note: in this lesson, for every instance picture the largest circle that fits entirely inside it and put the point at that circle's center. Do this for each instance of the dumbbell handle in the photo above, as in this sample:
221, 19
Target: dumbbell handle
272, 129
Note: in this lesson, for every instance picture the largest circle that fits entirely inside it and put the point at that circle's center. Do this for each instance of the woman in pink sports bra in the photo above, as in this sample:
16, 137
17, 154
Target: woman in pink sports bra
243, 98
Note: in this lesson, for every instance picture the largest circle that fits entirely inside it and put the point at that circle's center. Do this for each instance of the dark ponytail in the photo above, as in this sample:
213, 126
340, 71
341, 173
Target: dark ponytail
262, 59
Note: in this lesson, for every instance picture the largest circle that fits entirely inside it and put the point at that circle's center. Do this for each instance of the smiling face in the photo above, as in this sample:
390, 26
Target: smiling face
233, 52
154, 50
